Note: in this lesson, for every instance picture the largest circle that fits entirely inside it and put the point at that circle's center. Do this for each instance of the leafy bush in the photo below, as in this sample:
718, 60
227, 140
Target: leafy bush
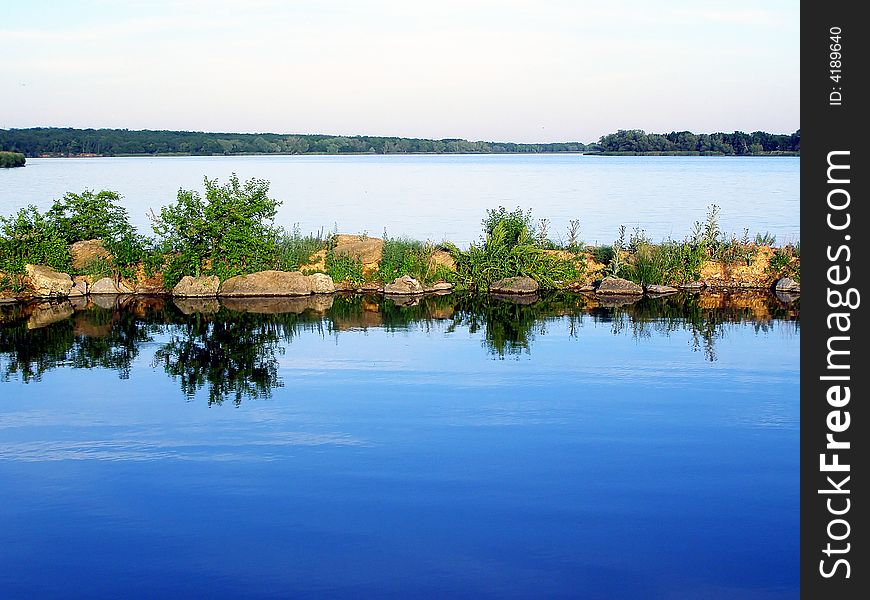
228, 232
90, 216
131, 249
29, 237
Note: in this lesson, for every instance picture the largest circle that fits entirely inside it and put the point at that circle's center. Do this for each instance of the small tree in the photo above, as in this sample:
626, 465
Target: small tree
228, 232
89, 216
28, 237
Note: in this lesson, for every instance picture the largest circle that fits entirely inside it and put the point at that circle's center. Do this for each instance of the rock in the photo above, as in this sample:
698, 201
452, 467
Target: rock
87, 251
442, 258
47, 282
370, 287
197, 287
152, 286
368, 250
80, 286
692, 286
514, 285
787, 284
660, 289
441, 286
321, 283
107, 285
267, 283
404, 285
616, 286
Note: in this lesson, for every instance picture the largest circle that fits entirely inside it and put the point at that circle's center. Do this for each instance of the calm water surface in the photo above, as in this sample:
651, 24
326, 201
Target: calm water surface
437, 197
352, 447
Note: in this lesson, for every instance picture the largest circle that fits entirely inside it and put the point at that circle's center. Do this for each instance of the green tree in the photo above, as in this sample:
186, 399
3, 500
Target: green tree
28, 237
89, 216
227, 232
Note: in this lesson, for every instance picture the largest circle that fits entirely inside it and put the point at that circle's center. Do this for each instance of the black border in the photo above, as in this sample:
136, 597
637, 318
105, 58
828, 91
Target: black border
826, 128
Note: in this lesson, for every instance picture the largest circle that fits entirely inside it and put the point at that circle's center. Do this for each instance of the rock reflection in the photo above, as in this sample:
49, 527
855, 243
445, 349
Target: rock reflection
229, 349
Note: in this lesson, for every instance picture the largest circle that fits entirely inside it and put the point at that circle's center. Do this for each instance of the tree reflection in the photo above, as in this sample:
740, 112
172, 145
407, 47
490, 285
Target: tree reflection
35, 339
231, 350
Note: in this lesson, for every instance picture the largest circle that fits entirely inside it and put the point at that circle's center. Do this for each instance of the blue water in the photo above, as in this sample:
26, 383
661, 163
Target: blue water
445, 197
441, 450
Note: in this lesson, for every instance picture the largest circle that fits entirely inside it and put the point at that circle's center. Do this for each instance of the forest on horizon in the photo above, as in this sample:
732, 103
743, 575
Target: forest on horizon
57, 141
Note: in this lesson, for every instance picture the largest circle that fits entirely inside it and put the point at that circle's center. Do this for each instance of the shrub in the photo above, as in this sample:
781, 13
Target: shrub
89, 216
228, 232
29, 237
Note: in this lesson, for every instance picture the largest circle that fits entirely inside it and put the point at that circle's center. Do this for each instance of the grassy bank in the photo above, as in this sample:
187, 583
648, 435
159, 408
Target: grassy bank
230, 230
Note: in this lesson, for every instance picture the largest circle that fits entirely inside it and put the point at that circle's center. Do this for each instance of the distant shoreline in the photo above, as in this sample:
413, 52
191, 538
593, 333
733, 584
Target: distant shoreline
588, 153
57, 142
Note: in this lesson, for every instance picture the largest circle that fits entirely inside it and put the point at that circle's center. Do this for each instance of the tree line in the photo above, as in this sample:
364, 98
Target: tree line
55, 141
637, 141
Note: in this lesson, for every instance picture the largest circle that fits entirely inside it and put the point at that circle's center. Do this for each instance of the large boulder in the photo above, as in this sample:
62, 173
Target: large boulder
514, 285
47, 282
787, 284
197, 287
267, 283
107, 285
368, 250
321, 283
404, 285
616, 286
441, 286
442, 258
86, 252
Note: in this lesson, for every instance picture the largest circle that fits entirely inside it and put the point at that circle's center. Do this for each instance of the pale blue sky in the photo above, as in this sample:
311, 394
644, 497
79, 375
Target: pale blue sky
544, 70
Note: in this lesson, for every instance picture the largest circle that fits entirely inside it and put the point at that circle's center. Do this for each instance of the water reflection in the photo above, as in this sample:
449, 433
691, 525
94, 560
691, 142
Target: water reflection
231, 347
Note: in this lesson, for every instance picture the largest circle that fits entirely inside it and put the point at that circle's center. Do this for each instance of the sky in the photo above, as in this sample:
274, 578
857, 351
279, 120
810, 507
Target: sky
508, 70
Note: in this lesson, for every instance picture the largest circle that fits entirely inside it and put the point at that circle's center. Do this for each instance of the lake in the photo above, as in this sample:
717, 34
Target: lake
445, 196
353, 446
